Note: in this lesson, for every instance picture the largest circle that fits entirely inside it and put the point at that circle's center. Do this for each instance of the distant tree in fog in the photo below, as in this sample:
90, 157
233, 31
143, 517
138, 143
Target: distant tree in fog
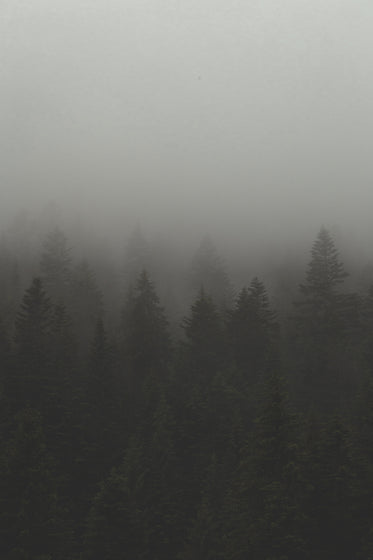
146, 339
33, 323
325, 271
137, 257
55, 265
86, 303
204, 339
326, 319
208, 271
252, 330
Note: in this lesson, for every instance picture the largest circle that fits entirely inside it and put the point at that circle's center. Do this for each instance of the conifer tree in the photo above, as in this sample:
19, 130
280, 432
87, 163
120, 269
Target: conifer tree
30, 522
264, 518
326, 323
64, 385
86, 303
325, 270
206, 540
329, 473
102, 393
55, 265
208, 271
135, 513
204, 340
137, 257
101, 431
253, 331
146, 339
30, 382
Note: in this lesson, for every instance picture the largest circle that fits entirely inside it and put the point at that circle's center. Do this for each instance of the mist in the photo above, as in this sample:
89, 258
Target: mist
186, 279
251, 119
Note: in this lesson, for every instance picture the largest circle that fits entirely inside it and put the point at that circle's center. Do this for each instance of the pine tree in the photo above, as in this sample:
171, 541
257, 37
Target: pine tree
55, 265
101, 431
137, 257
206, 540
146, 339
263, 517
135, 513
5, 373
253, 331
325, 271
86, 303
208, 272
334, 524
64, 384
204, 340
63, 349
30, 382
30, 522
326, 325
102, 397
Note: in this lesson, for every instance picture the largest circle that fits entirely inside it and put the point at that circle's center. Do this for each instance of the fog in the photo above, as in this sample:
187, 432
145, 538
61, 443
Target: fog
244, 119
186, 279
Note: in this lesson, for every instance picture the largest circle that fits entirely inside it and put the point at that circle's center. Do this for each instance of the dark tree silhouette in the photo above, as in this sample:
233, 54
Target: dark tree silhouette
30, 382
253, 331
55, 265
208, 272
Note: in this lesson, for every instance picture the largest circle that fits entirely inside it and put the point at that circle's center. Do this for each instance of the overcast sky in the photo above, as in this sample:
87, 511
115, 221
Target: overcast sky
239, 114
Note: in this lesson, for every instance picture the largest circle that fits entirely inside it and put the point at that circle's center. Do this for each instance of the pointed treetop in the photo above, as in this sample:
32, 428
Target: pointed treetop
208, 269
325, 270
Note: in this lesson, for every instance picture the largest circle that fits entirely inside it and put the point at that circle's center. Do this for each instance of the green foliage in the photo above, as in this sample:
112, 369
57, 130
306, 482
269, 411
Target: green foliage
146, 339
264, 517
86, 303
30, 527
110, 448
327, 327
55, 265
253, 331
204, 339
330, 504
135, 513
29, 381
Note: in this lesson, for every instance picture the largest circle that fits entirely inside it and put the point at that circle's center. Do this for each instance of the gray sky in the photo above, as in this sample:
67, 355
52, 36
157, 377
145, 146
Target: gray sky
244, 115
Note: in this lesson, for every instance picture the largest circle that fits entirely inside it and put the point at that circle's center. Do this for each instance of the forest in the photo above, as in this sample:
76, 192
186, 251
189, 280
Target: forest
153, 411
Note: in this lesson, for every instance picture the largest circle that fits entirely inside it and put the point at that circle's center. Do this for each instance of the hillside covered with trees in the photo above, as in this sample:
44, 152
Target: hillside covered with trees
153, 412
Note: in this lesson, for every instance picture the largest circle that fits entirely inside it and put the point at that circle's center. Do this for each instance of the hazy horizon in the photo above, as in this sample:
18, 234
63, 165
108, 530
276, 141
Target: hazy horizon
245, 119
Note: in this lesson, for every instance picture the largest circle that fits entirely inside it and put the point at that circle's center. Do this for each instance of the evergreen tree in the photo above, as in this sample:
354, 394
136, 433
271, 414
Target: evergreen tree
5, 373
208, 271
326, 325
55, 265
135, 513
137, 257
325, 271
146, 340
253, 331
264, 518
329, 474
367, 335
64, 383
206, 538
103, 402
30, 383
204, 340
99, 430
30, 523
86, 302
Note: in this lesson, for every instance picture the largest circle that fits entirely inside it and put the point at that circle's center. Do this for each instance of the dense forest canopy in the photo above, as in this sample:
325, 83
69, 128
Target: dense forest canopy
186, 280
157, 409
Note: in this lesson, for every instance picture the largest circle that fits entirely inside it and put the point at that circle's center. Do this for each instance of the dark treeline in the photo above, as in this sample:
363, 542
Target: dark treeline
138, 424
